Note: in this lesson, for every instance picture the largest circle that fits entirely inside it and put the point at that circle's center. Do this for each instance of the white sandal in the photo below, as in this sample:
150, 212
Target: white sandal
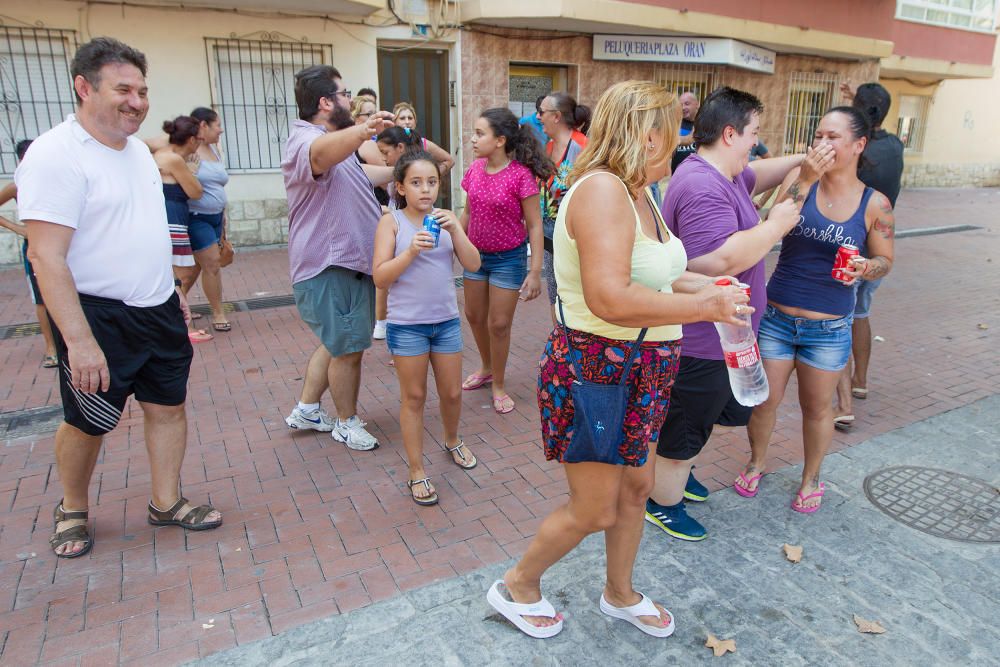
515, 613
644, 607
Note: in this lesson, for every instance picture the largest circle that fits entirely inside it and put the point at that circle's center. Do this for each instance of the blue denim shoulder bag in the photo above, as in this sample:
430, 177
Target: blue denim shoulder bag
598, 410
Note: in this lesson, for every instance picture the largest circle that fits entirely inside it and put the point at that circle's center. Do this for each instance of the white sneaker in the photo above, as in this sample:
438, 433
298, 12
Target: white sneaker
317, 420
352, 433
379, 332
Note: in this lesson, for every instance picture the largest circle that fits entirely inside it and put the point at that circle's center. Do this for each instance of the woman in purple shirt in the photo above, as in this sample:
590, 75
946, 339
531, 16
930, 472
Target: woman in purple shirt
423, 323
806, 326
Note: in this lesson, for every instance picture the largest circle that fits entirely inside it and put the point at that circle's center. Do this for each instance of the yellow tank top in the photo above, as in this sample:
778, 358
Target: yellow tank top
655, 265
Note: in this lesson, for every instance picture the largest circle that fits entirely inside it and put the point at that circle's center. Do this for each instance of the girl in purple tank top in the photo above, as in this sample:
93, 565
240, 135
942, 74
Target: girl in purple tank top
423, 324
806, 327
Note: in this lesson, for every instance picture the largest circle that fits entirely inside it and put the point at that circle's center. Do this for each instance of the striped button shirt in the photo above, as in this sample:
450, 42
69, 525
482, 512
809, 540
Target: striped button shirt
332, 217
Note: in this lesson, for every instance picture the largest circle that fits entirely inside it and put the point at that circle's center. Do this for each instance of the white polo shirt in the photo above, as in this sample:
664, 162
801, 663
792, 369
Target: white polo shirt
113, 199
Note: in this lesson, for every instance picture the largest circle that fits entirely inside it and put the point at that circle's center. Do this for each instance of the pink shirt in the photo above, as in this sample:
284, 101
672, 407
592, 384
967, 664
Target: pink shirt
496, 222
332, 217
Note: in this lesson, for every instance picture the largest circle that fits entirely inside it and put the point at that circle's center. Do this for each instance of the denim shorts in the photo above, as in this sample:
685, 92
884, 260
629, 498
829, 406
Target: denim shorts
413, 340
506, 269
205, 230
863, 304
822, 344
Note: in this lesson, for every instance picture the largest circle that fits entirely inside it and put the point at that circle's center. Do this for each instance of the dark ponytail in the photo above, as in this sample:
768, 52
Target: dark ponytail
396, 135
522, 144
411, 156
860, 126
576, 115
180, 129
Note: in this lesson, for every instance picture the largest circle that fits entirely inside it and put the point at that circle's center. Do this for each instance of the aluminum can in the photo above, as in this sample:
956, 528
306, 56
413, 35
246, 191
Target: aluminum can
842, 260
434, 227
726, 281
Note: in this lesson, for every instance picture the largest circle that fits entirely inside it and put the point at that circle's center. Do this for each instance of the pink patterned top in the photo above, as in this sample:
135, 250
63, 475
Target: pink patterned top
496, 222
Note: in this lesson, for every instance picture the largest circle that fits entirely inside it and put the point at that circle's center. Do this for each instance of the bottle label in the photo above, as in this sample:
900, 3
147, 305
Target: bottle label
743, 358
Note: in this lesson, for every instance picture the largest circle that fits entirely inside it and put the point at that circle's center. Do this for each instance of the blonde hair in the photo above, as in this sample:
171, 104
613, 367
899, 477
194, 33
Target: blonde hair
358, 103
616, 141
405, 105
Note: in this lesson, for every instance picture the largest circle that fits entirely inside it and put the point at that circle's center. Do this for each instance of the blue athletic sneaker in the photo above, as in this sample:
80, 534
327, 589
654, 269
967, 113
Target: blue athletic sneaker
695, 490
674, 521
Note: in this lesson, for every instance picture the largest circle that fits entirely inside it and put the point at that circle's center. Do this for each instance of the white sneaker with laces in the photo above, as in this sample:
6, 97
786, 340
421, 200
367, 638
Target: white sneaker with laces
379, 332
352, 433
316, 420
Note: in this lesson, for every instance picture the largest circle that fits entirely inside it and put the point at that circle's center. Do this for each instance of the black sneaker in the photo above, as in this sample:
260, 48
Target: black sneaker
695, 490
674, 521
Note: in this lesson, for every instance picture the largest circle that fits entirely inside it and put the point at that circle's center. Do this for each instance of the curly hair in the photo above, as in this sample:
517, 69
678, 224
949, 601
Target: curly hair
521, 143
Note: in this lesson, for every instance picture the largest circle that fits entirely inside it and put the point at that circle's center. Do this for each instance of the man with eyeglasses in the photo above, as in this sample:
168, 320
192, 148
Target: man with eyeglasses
332, 217
534, 121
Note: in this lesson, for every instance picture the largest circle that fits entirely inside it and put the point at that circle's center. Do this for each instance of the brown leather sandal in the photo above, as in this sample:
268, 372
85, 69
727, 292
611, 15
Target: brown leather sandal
77, 533
183, 514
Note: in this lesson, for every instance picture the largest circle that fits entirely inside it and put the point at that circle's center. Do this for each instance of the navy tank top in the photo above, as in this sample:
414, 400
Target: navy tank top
802, 278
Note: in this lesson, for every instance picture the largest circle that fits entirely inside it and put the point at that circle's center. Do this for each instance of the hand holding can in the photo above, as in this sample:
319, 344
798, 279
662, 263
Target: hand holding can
842, 262
433, 227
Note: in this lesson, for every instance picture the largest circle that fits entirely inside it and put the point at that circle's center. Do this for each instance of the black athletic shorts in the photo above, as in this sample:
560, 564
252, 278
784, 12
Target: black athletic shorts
700, 398
148, 354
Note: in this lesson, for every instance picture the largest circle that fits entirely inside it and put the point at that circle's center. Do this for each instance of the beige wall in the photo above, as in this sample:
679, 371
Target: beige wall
173, 41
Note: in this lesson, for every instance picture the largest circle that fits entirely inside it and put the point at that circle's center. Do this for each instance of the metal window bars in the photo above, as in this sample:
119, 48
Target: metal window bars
253, 90
698, 79
810, 95
36, 90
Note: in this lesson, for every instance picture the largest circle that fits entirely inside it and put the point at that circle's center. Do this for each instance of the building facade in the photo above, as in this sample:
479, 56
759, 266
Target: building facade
453, 59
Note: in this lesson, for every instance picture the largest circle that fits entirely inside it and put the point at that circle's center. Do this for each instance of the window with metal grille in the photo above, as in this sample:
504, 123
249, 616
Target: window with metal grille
912, 123
36, 91
698, 79
809, 97
978, 15
253, 89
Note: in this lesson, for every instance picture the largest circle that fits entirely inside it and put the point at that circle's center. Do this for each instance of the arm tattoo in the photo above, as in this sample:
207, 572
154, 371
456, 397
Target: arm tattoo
875, 268
885, 223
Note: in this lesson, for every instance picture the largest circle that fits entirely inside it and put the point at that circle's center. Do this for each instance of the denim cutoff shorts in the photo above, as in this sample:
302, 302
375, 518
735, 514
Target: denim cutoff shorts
412, 340
863, 303
506, 269
822, 344
205, 230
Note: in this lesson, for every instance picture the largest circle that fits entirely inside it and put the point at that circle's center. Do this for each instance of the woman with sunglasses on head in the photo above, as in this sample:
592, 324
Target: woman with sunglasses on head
807, 325
623, 294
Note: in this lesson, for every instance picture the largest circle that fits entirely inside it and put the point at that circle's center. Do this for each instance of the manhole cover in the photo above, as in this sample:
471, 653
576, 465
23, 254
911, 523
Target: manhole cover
938, 502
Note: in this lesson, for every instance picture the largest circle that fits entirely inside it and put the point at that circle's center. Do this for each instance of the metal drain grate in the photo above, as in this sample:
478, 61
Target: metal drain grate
33, 421
938, 502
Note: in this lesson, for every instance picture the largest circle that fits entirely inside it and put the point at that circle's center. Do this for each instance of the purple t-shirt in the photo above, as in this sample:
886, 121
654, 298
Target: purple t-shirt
703, 208
331, 218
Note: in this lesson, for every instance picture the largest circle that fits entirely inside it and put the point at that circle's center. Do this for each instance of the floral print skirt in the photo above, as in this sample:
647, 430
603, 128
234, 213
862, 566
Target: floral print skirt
602, 360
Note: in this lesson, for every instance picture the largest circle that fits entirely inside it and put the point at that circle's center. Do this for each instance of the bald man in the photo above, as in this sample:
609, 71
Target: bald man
689, 109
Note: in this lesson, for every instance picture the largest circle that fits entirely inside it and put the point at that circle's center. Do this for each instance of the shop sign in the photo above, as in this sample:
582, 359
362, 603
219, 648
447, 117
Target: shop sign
682, 49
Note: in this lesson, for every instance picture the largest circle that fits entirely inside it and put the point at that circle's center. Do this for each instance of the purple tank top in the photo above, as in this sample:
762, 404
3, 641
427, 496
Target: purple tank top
425, 292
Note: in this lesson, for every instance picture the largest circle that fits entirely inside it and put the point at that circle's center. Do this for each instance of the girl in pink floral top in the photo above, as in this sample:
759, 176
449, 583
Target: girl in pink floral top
502, 216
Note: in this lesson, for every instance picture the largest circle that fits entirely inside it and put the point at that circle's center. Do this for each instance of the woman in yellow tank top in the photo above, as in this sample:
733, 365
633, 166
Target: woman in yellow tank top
618, 271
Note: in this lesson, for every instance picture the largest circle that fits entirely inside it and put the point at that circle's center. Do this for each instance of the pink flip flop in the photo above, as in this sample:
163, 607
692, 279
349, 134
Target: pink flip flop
503, 404
799, 499
748, 481
475, 381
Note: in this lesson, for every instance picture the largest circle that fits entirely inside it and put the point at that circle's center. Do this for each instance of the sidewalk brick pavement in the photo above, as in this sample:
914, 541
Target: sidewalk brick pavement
313, 529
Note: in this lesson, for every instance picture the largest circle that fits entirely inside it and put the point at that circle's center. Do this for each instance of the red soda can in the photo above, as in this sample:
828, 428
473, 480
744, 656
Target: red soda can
845, 253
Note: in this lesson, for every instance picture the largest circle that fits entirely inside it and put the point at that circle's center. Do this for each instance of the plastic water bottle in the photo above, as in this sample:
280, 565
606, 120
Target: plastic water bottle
739, 347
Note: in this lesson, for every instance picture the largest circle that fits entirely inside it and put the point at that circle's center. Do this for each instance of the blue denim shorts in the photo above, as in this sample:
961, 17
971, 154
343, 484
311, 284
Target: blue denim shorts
205, 230
863, 304
413, 340
506, 269
822, 344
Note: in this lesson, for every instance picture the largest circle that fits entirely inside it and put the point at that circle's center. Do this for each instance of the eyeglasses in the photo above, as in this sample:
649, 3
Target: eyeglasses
345, 93
366, 115
542, 112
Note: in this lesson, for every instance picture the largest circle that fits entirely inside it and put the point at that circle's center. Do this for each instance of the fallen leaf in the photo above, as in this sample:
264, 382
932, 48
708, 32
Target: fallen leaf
871, 627
793, 553
720, 646
983, 326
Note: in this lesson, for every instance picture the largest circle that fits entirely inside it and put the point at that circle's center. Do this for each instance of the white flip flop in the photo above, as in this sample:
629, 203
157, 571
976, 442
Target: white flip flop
644, 607
515, 613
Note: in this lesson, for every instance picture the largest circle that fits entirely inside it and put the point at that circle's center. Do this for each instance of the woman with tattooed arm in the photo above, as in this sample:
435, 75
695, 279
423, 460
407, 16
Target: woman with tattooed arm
807, 324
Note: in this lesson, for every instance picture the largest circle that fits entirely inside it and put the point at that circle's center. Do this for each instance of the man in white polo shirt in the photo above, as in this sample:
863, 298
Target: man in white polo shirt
92, 199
